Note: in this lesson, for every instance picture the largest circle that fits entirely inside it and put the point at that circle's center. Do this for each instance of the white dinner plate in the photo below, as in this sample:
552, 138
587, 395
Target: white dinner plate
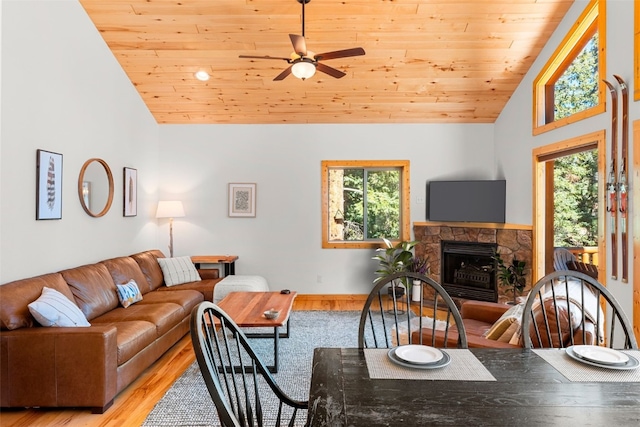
632, 363
418, 354
446, 359
604, 355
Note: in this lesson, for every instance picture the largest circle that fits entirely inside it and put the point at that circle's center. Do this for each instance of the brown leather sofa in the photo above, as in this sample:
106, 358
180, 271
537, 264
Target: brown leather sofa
479, 316
89, 366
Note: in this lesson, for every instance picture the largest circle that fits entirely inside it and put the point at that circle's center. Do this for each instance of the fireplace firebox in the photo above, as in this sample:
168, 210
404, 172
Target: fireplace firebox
468, 270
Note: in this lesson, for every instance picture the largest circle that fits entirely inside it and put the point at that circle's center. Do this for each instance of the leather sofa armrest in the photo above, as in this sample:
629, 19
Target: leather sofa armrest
488, 312
59, 367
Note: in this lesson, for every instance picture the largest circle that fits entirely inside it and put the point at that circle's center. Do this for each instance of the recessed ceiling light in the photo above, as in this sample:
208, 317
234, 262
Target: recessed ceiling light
202, 75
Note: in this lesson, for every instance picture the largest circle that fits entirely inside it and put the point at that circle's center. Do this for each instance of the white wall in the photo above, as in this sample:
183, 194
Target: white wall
283, 243
63, 91
514, 138
0, 135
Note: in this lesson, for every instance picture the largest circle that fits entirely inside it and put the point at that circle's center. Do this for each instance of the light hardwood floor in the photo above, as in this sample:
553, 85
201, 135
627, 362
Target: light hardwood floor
134, 403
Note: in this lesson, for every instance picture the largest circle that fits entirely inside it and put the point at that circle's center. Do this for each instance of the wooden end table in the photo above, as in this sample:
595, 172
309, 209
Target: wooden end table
229, 262
247, 310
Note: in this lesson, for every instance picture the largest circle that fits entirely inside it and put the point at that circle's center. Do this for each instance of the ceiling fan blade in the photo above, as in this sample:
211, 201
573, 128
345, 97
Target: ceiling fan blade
264, 57
329, 70
299, 45
356, 51
283, 74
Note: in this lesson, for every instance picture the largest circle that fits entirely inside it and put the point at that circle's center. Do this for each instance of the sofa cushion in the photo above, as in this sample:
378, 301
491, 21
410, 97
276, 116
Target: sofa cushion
16, 296
93, 289
205, 287
124, 269
148, 262
163, 315
476, 327
129, 293
132, 337
179, 270
52, 308
186, 298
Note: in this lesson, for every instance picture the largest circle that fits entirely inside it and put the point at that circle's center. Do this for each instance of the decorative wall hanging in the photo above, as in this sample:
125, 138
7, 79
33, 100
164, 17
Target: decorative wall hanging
48, 185
242, 200
130, 198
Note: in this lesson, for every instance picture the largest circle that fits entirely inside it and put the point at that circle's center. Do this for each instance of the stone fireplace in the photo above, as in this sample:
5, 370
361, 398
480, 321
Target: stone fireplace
467, 270
509, 240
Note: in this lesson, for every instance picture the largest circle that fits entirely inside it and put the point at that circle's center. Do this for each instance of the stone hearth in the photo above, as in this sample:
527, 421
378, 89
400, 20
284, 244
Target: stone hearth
512, 241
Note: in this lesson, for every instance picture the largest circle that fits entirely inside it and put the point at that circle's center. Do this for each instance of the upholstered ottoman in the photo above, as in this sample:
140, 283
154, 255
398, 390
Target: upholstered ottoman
239, 283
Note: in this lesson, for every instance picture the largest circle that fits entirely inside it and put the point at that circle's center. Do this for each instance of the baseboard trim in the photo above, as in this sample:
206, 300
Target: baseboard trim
329, 301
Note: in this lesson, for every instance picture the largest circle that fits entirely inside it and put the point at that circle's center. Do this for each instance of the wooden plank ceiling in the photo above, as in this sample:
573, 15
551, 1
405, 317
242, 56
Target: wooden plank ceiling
427, 61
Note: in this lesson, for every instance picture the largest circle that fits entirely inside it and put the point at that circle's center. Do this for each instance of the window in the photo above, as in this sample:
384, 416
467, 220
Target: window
569, 86
548, 200
364, 201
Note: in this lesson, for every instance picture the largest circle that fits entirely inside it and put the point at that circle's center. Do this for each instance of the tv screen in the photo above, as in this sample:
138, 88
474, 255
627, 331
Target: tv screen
467, 201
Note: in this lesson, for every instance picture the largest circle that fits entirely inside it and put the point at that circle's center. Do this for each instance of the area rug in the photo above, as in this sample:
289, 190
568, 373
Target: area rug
187, 402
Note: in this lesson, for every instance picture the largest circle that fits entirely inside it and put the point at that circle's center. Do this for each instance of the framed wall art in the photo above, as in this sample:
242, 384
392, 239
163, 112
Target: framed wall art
242, 200
130, 199
48, 185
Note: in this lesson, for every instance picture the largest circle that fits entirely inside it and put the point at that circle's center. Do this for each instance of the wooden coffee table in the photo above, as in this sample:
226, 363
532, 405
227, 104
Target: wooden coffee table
247, 310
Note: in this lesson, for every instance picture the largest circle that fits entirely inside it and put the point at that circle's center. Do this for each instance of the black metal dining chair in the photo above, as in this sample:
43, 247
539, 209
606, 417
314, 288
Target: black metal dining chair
237, 379
390, 318
566, 308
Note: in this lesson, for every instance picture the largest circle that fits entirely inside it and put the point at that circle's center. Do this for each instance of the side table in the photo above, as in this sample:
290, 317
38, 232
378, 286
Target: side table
229, 262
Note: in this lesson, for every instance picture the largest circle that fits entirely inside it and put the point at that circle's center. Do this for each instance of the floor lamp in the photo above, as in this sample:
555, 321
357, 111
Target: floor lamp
170, 209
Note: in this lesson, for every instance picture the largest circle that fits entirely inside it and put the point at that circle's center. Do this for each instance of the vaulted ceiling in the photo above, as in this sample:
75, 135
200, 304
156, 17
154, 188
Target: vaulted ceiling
427, 61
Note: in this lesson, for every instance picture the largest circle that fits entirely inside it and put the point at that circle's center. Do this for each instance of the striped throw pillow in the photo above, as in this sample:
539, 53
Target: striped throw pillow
179, 270
129, 293
52, 308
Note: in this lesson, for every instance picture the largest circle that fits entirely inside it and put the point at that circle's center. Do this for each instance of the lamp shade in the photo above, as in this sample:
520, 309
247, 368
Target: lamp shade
303, 69
170, 209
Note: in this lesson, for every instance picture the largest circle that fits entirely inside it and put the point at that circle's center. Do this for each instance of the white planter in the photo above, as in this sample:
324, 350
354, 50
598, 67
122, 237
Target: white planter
416, 290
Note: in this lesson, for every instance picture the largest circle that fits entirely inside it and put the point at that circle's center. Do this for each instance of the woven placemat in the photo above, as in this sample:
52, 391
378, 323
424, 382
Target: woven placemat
464, 366
581, 372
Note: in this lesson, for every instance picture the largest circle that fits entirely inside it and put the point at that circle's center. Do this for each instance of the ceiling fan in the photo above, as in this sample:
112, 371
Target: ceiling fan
304, 63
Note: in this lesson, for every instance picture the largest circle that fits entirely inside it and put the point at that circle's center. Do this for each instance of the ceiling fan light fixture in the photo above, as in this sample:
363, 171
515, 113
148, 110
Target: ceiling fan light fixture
303, 68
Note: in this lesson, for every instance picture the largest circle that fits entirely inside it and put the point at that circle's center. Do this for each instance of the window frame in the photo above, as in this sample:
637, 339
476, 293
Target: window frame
405, 198
592, 20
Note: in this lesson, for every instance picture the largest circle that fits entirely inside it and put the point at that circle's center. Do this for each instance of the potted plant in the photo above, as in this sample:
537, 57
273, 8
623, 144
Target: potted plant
511, 276
418, 265
394, 259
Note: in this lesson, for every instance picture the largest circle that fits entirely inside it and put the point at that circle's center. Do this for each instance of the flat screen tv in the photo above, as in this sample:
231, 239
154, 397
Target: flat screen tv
467, 201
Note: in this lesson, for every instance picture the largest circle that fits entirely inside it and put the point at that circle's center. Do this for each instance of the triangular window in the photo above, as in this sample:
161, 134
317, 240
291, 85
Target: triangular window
569, 86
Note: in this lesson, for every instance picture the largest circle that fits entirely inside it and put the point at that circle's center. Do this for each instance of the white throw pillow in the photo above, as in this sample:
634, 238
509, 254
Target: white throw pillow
179, 270
129, 293
55, 309
513, 315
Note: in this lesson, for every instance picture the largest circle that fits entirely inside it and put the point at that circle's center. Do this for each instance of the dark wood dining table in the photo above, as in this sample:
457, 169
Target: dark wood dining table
527, 391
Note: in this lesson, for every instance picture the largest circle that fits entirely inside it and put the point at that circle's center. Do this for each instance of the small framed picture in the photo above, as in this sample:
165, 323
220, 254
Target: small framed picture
130, 199
48, 185
242, 200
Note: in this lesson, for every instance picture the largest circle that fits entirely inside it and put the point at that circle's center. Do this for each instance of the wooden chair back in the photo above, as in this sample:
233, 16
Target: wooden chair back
239, 383
567, 308
390, 318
